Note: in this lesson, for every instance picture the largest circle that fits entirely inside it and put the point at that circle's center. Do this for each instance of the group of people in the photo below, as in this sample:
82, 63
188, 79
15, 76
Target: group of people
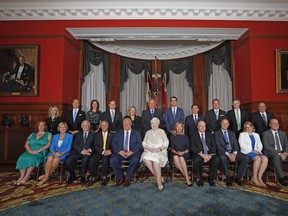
156, 139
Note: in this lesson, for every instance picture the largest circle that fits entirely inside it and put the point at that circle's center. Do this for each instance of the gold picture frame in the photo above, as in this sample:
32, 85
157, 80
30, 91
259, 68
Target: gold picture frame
19, 70
281, 71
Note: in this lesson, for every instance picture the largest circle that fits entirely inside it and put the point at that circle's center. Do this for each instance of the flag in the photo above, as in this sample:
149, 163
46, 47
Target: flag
148, 89
164, 93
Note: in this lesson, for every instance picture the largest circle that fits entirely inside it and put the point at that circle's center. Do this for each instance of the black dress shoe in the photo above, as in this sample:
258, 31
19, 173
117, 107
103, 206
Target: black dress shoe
190, 185
70, 179
212, 183
83, 181
239, 182
104, 181
228, 182
283, 181
200, 183
91, 181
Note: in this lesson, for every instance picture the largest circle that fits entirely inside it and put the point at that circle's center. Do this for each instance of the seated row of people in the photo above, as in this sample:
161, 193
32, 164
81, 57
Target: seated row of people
127, 144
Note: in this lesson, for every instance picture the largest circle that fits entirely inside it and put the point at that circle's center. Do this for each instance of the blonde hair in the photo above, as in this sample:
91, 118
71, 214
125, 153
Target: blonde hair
249, 124
62, 124
129, 109
179, 123
53, 108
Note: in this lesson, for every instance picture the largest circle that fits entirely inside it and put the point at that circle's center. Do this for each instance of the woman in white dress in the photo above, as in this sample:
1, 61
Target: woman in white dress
155, 146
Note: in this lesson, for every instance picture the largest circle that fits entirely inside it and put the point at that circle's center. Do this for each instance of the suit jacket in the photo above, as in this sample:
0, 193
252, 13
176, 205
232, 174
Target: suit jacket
221, 142
197, 146
190, 125
65, 147
213, 124
169, 119
78, 143
233, 122
246, 145
27, 74
80, 117
98, 144
269, 142
116, 125
135, 144
259, 123
146, 118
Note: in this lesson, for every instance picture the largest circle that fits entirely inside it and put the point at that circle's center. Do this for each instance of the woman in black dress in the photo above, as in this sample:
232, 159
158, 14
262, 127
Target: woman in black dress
180, 148
53, 120
93, 115
136, 120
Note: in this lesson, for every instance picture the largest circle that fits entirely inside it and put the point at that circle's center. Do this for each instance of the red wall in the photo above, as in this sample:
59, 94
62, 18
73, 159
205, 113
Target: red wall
60, 55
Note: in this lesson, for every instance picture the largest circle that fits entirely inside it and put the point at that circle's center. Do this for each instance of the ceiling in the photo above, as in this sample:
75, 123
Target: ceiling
149, 42
262, 10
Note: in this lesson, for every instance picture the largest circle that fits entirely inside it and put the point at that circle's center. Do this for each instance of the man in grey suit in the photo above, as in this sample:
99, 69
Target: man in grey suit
228, 150
214, 116
276, 148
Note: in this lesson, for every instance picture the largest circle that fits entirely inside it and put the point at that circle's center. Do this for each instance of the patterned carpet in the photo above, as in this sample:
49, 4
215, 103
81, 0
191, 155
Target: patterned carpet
140, 199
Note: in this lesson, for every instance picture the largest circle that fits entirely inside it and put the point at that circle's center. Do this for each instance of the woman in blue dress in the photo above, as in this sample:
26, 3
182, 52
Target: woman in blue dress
250, 144
36, 147
180, 148
60, 148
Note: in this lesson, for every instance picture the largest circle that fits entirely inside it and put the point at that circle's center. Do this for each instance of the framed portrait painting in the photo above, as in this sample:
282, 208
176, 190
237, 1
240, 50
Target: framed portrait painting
18, 70
281, 71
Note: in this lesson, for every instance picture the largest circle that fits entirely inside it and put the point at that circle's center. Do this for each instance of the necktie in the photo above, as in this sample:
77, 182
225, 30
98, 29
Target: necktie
277, 142
126, 141
152, 112
264, 118
238, 120
217, 114
74, 115
195, 119
228, 146
174, 113
112, 115
104, 140
205, 148
85, 137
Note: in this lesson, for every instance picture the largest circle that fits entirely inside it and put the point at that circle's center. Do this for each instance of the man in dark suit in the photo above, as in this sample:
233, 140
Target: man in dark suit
261, 118
204, 151
228, 150
126, 145
172, 115
148, 114
102, 150
192, 120
276, 148
237, 117
23, 79
113, 117
82, 148
75, 117
214, 117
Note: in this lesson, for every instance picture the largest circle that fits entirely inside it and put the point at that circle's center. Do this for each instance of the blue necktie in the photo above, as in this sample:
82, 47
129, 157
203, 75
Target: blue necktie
74, 115
126, 141
85, 137
217, 114
228, 146
152, 112
174, 113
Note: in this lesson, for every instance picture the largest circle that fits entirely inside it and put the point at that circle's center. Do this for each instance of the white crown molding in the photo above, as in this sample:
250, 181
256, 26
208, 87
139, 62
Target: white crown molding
161, 43
182, 10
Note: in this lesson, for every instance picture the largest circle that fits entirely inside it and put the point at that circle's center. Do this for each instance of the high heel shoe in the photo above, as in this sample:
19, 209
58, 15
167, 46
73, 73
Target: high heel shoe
190, 185
160, 187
